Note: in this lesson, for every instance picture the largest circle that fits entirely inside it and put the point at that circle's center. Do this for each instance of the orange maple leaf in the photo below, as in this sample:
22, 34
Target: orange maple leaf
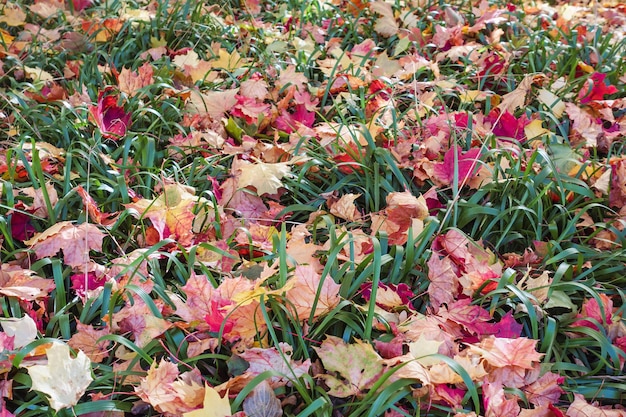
310, 295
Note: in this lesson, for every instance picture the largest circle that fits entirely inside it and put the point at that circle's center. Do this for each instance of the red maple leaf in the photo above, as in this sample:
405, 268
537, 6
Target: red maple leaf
595, 88
110, 118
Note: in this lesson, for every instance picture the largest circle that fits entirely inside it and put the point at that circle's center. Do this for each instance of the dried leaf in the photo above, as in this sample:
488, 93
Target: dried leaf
357, 366
168, 391
23, 330
308, 289
74, 241
212, 406
261, 360
581, 408
266, 178
262, 402
110, 118
64, 380
87, 340
13, 15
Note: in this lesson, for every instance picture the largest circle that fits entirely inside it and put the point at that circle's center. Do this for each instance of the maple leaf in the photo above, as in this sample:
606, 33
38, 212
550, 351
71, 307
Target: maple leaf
86, 339
13, 15
23, 283
595, 88
463, 166
307, 289
386, 24
23, 331
266, 178
357, 366
95, 214
140, 321
64, 380
496, 403
110, 118
168, 391
213, 405
131, 81
581, 408
545, 390
344, 208
261, 360
502, 352
262, 402
442, 373
171, 213
617, 193
444, 282
74, 241
591, 309
517, 98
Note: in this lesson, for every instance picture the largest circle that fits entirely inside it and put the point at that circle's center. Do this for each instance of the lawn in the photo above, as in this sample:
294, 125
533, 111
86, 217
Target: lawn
320, 208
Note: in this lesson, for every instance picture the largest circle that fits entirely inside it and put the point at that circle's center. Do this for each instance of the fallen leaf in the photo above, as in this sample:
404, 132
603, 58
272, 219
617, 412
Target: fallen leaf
581, 408
266, 178
13, 15
87, 340
111, 119
352, 368
463, 166
261, 360
262, 402
64, 380
168, 391
212, 406
503, 352
74, 241
23, 330
307, 289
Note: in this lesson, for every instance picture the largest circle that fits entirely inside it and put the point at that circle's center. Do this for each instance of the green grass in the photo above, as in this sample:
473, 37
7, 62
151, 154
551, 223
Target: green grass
541, 208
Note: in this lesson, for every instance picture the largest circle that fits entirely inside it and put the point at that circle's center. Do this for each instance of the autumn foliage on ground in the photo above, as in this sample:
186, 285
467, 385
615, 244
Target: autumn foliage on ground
321, 208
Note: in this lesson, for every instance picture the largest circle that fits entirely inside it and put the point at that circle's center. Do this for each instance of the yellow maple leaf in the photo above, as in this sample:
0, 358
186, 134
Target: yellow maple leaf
213, 406
13, 15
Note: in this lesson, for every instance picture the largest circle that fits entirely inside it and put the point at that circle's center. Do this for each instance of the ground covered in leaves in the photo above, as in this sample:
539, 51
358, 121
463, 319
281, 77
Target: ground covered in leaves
321, 208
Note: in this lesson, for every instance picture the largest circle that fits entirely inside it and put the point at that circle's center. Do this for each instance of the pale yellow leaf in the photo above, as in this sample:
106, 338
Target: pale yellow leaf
266, 178
516, 98
423, 349
24, 330
552, 101
64, 380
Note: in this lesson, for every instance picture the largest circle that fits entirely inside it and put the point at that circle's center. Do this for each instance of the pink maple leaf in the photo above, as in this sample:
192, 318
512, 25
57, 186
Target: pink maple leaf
456, 163
592, 310
289, 122
250, 109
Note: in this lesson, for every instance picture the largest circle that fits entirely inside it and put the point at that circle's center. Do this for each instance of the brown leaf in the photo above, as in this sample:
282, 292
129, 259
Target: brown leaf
262, 402
87, 338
